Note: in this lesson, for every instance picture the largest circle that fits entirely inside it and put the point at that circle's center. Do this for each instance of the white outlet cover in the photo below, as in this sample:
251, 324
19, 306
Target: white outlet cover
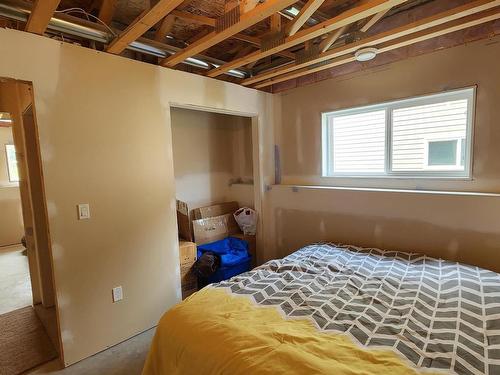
83, 211
117, 294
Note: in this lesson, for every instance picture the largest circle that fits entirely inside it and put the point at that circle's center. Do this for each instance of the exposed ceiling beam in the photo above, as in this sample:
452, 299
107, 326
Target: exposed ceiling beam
165, 27
305, 13
142, 24
436, 31
257, 14
194, 18
40, 15
202, 20
275, 23
359, 12
107, 11
331, 38
373, 20
435, 20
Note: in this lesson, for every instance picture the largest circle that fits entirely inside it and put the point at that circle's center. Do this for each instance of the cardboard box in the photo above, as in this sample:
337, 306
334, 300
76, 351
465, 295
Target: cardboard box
185, 216
215, 210
189, 281
187, 252
214, 228
184, 221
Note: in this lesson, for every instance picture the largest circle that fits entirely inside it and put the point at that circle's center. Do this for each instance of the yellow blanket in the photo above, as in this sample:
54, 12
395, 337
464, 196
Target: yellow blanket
213, 332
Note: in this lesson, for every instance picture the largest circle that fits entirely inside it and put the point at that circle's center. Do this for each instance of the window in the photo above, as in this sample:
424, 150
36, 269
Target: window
427, 136
12, 163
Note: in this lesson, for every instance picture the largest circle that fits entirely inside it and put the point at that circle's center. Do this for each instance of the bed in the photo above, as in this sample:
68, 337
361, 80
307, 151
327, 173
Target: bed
337, 309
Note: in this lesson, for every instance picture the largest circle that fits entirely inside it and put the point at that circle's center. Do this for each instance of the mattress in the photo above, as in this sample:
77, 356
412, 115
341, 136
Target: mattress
334, 309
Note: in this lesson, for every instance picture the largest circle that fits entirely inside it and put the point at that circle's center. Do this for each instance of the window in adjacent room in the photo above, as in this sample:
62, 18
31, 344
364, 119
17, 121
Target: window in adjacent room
427, 136
12, 163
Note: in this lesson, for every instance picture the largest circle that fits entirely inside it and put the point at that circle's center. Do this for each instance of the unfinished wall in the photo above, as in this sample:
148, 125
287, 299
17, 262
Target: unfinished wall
211, 152
105, 138
454, 226
11, 222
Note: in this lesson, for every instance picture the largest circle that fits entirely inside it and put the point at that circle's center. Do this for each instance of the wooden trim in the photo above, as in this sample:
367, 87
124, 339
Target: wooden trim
248, 19
107, 11
40, 15
437, 19
436, 31
142, 24
305, 13
355, 14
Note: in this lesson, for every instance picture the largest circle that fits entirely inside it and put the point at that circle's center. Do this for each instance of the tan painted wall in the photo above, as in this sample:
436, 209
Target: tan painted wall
210, 152
11, 222
104, 124
463, 227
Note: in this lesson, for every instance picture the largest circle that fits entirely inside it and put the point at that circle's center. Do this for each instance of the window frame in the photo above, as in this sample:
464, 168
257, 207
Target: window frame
468, 93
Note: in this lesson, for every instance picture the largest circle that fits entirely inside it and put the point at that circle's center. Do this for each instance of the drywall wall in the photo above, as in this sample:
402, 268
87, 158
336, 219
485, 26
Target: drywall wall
11, 222
462, 227
211, 151
105, 138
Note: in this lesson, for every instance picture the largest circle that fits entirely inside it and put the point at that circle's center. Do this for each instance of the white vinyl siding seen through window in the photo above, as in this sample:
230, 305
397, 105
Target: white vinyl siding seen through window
427, 136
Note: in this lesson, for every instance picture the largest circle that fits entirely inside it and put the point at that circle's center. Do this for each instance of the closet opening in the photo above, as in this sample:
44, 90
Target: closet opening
214, 163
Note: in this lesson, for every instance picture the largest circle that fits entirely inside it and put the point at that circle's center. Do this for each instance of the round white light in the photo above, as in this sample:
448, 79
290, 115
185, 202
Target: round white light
365, 54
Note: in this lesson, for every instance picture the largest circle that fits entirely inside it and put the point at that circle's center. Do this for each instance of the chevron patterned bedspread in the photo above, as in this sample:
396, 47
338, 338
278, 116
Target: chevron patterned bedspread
369, 311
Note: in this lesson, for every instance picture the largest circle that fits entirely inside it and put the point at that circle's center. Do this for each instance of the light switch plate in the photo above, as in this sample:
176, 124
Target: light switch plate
83, 211
117, 294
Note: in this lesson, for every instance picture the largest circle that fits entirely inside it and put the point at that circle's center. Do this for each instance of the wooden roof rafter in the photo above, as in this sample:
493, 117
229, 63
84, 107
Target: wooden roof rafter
359, 12
305, 13
247, 19
141, 24
447, 28
40, 15
458, 18
107, 11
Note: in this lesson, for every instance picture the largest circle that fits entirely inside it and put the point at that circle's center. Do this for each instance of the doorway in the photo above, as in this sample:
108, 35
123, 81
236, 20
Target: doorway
29, 333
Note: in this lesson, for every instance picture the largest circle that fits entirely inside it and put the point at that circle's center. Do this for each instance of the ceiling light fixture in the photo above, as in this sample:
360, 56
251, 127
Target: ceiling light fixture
365, 54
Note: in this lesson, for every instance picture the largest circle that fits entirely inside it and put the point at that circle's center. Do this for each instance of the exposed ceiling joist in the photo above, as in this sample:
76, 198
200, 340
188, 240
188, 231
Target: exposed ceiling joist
373, 20
202, 20
305, 13
142, 24
40, 16
275, 23
362, 11
194, 18
419, 36
107, 11
165, 27
257, 14
426, 23
331, 38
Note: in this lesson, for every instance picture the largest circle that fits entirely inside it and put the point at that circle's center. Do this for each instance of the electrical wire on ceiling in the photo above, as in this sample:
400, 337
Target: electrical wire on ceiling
88, 15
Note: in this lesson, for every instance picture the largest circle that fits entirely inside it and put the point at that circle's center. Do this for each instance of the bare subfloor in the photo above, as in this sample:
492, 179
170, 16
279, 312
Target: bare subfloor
126, 358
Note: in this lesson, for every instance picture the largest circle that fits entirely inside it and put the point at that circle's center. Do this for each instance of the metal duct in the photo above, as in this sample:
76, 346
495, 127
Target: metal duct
62, 24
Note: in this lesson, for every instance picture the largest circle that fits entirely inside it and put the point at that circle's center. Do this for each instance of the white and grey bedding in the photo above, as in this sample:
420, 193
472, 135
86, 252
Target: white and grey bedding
437, 314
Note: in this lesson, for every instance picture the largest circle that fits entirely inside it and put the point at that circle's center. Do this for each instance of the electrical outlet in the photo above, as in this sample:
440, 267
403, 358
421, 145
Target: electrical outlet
83, 211
117, 294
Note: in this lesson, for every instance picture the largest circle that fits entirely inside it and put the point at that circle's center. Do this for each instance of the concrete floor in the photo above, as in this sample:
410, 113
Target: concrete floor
15, 284
126, 358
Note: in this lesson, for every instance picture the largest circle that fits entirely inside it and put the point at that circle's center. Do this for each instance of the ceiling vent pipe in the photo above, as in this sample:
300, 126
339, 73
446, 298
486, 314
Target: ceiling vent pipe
64, 24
